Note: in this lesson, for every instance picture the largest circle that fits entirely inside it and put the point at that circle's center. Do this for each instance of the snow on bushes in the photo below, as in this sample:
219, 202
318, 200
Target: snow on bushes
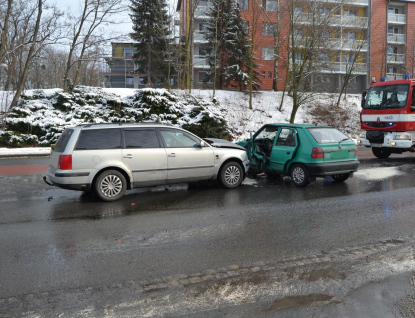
41, 116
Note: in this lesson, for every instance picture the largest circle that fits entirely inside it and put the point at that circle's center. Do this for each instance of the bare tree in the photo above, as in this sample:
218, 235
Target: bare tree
83, 35
41, 34
310, 31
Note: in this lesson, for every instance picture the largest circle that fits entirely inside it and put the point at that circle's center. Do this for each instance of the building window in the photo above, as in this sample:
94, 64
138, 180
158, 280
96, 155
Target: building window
243, 4
269, 74
349, 36
246, 26
270, 5
128, 52
263, 74
203, 27
204, 77
268, 28
267, 53
205, 51
129, 80
298, 33
323, 58
324, 11
350, 13
298, 9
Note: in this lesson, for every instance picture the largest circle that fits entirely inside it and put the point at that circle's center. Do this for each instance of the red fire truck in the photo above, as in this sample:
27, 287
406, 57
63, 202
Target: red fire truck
388, 117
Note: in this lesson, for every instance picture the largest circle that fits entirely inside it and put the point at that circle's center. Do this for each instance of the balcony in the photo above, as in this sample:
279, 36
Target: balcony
363, 3
342, 67
394, 76
331, 20
355, 45
396, 38
202, 11
394, 18
334, 44
200, 61
396, 59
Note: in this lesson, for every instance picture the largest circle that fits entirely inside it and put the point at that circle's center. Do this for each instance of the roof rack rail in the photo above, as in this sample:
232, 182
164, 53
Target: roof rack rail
125, 123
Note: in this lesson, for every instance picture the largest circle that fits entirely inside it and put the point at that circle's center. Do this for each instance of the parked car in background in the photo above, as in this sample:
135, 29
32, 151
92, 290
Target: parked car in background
303, 152
112, 158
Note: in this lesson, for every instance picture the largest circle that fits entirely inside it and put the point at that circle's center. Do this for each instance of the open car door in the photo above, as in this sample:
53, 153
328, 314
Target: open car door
284, 148
255, 155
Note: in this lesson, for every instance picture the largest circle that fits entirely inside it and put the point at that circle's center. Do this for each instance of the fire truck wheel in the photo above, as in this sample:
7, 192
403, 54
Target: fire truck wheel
381, 153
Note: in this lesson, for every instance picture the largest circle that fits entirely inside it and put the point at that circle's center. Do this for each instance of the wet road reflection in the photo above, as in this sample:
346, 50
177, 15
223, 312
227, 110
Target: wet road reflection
155, 232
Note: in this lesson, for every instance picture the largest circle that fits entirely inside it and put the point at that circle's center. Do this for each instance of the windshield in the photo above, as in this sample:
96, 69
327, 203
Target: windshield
268, 132
384, 97
327, 135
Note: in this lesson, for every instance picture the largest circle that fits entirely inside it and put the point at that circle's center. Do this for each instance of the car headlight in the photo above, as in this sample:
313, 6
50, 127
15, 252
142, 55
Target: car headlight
362, 134
402, 137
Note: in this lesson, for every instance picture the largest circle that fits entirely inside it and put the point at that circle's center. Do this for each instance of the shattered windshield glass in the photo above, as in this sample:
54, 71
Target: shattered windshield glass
385, 97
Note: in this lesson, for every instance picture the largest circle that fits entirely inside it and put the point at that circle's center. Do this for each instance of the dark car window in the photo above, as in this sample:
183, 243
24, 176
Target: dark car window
286, 137
63, 140
175, 138
99, 139
327, 135
141, 138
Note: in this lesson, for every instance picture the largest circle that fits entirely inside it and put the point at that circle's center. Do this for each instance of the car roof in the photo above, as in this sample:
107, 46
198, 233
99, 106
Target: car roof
298, 125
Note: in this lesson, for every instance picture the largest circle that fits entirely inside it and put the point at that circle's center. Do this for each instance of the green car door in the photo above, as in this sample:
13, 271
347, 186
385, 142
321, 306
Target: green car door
283, 149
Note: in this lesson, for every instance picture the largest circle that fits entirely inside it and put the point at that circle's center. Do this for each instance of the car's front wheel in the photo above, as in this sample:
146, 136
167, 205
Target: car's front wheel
110, 185
299, 175
340, 177
231, 175
381, 153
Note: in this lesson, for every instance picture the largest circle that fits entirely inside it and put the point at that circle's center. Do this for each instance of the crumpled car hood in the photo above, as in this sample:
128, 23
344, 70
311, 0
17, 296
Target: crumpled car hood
222, 143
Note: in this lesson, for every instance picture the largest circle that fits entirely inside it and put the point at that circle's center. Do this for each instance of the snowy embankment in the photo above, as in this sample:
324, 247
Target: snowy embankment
240, 119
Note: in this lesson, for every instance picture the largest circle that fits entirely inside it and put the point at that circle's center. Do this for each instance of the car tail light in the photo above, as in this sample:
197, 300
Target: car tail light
317, 153
65, 162
355, 151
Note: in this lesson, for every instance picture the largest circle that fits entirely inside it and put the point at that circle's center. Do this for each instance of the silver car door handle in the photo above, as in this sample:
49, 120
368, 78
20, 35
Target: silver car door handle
128, 156
172, 155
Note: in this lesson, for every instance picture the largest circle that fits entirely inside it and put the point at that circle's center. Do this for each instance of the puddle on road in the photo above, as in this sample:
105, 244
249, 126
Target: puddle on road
299, 301
378, 173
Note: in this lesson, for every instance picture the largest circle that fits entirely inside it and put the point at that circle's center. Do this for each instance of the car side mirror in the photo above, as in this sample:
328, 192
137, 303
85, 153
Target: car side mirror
200, 144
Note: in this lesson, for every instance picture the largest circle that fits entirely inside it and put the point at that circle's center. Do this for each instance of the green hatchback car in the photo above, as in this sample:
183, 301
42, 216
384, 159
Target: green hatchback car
303, 152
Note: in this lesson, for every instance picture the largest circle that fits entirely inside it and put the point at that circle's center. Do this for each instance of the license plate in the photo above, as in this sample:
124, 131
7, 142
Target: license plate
376, 145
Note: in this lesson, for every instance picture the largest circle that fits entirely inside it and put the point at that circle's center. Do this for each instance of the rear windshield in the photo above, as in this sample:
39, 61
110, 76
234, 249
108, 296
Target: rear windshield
327, 135
60, 145
99, 139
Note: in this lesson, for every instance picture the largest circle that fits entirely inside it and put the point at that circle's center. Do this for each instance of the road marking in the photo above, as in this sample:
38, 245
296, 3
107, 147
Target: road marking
23, 170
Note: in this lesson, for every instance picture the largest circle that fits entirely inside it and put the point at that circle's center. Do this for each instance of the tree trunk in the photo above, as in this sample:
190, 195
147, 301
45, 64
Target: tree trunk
22, 79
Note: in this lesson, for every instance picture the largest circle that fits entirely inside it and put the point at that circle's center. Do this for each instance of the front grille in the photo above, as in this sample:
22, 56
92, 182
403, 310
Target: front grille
380, 125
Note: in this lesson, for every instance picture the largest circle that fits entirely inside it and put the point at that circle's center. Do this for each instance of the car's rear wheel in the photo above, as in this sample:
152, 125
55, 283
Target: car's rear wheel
299, 175
340, 177
231, 175
110, 185
381, 153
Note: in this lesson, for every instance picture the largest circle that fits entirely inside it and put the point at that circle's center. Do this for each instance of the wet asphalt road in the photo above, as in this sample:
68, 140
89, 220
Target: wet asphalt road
56, 241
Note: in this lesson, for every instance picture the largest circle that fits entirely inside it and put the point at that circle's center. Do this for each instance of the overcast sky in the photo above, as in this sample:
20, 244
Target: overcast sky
123, 25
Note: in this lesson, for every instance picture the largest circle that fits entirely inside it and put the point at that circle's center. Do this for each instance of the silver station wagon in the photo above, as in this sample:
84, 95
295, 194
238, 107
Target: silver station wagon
112, 158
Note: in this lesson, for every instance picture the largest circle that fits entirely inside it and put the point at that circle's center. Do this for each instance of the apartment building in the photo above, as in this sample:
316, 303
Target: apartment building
368, 38
120, 69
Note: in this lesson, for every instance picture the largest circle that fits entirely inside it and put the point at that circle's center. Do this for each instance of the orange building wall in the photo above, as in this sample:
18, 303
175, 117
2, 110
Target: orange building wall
378, 40
410, 42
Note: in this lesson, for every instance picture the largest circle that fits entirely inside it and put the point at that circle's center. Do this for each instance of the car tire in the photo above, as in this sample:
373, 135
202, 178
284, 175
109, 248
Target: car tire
381, 153
231, 175
340, 177
110, 185
299, 176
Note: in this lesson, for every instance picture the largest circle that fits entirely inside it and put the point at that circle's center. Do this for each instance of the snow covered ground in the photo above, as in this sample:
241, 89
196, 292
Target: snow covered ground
242, 119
